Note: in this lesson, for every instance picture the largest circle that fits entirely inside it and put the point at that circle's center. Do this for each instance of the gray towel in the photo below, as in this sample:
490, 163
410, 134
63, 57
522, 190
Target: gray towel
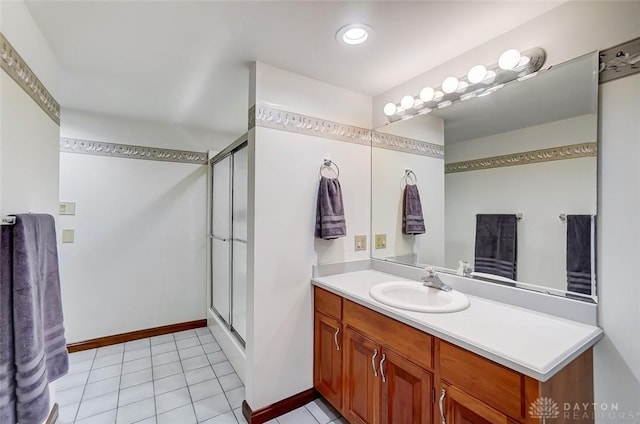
496, 249
579, 254
330, 222
412, 219
30, 289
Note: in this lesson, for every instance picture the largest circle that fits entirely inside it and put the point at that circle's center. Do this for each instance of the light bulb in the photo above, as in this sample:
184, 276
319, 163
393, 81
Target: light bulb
390, 109
427, 94
509, 59
524, 60
462, 86
355, 36
407, 102
354, 33
438, 95
450, 84
489, 78
477, 74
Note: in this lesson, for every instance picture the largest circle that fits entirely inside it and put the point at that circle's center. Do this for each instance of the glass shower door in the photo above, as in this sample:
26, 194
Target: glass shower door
239, 244
220, 238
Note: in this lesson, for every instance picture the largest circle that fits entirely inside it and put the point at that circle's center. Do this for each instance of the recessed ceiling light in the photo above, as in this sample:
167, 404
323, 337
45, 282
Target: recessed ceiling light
354, 33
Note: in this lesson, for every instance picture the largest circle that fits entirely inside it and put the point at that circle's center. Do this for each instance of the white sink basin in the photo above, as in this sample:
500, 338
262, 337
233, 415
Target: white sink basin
413, 296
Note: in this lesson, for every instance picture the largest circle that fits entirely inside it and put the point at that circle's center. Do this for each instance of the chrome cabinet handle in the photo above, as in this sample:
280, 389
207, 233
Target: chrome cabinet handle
384, 358
373, 363
335, 338
441, 404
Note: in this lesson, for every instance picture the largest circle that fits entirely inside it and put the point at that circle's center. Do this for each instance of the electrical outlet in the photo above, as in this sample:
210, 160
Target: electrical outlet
361, 243
381, 241
67, 208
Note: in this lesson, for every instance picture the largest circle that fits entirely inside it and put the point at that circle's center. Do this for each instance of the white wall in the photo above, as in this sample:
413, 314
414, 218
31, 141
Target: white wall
139, 258
617, 366
118, 129
28, 137
387, 190
283, 184
540, 191
571, 30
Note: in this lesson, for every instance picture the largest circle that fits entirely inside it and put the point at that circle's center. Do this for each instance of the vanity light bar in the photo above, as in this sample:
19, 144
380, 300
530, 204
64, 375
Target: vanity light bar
479, 81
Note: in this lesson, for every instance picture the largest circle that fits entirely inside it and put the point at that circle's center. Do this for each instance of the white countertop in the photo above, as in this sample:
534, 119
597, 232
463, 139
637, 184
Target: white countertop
533, 343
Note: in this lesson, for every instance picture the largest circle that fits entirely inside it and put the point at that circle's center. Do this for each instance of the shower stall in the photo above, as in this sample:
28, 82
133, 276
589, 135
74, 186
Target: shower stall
228, 237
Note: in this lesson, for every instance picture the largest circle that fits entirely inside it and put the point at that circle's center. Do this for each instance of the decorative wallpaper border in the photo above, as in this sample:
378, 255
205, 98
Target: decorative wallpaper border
619, 61
99, 148
408, 145
264, 116
268, 117
13, 64
570, 151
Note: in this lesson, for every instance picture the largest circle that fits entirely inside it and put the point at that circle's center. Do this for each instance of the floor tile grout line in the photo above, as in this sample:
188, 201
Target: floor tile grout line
193, 408
84, 387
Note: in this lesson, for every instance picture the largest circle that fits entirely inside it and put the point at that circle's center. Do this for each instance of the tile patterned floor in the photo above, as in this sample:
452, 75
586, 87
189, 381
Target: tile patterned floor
179, 378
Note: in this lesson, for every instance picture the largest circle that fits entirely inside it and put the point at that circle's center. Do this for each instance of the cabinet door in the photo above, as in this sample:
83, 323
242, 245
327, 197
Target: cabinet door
406, 391
362, 394
327, 368
461, 408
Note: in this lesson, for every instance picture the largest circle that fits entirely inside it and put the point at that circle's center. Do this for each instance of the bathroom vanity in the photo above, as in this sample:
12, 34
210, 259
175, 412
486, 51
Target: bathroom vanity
490, 363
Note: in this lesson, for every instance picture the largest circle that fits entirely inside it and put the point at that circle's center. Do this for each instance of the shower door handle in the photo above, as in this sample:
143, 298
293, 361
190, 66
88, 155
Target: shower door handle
211, 236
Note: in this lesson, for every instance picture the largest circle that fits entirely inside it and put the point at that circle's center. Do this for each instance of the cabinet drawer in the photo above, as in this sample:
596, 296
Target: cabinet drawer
405, 340
487, 381
327, 303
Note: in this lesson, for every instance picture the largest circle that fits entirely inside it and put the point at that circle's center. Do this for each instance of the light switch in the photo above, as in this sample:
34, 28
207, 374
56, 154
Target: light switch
67, 208
361, 242
381, 241
68, 235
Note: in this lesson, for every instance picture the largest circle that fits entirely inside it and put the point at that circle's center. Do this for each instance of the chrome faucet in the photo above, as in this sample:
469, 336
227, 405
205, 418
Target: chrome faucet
432, 280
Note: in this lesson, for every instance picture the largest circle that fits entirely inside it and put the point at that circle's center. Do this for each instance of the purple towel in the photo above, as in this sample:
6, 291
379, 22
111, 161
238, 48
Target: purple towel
33, 333
330, 222
412, 219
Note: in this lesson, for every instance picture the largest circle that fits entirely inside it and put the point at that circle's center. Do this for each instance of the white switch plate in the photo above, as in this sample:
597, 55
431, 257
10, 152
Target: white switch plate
68, 235
361, 242
67, 208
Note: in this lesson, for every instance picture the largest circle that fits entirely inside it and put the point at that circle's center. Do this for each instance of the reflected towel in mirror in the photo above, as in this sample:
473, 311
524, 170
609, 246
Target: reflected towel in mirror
496, 248
579, 254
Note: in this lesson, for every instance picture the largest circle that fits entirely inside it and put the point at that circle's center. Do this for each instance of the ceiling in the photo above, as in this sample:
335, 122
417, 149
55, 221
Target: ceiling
187, 62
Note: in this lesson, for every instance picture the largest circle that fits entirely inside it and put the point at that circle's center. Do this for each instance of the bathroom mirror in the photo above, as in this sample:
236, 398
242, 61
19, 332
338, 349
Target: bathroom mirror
527, 150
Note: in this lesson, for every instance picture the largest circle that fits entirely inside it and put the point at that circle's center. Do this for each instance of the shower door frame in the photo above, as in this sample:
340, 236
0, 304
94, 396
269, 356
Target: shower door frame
241, 143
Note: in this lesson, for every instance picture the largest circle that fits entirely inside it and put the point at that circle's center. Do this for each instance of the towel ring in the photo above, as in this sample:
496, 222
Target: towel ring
328, 163
409, 175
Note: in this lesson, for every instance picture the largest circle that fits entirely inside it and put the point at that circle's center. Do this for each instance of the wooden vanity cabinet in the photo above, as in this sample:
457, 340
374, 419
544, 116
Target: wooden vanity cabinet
328, 347
461, 408
381, 386
376, 370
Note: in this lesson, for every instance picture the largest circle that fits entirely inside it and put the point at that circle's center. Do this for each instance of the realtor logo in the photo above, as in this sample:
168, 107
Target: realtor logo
544, 408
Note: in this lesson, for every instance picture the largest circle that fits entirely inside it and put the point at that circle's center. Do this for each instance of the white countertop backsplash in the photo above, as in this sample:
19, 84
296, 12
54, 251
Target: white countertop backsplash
533, 343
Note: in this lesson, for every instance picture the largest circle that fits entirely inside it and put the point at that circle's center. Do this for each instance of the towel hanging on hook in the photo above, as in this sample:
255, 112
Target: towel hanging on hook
329, 164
